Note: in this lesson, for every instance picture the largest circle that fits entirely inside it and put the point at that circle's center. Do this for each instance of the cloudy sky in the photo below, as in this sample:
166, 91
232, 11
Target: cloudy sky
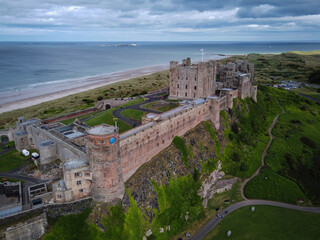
159, 20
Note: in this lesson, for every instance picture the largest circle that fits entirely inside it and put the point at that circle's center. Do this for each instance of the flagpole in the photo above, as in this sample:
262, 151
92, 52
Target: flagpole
201, 54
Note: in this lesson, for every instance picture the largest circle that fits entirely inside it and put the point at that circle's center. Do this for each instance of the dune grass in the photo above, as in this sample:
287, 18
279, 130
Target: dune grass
86, 99
268, 223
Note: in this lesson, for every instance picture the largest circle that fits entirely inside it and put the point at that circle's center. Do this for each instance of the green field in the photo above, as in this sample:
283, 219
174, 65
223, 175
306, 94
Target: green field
271, 186
107, 117
11, 160
268, 223
133, 114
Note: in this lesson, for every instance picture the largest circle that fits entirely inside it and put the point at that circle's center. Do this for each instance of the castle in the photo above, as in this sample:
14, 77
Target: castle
98, 160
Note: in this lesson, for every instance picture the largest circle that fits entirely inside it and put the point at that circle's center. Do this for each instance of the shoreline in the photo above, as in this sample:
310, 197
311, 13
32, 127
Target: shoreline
10, 101
26, 98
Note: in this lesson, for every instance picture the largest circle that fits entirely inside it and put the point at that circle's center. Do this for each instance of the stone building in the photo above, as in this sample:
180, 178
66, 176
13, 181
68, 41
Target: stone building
97, 161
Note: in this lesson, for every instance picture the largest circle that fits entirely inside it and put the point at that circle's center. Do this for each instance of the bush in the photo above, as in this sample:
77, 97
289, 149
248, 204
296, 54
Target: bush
88, 101
307, 141
99, 98
179, 144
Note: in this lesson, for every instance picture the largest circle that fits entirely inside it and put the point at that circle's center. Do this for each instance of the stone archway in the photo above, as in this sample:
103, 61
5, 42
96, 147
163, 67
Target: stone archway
108, 106
4, 139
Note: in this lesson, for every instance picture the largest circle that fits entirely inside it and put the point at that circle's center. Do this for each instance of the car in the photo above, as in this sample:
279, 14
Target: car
226, 212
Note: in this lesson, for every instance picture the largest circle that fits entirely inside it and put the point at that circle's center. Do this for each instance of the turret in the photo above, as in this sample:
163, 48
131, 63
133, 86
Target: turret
104, 155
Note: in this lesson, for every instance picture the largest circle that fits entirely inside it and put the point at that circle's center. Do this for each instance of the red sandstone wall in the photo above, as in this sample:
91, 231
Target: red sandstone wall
141, 147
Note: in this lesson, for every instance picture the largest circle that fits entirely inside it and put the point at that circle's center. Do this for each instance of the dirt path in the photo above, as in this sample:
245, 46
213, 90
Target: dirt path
263, 155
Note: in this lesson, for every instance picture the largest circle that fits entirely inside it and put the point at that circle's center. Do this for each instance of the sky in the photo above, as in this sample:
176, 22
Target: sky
159, 20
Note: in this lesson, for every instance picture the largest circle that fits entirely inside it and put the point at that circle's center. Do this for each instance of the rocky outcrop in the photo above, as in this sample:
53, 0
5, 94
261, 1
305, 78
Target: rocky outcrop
169, 164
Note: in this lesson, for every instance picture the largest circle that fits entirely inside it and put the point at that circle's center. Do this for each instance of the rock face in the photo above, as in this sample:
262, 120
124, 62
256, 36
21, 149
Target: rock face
29, 230
168, 164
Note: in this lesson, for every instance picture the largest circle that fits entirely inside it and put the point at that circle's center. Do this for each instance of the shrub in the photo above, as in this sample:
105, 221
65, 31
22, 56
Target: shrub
99, 98
88, 101
307, 141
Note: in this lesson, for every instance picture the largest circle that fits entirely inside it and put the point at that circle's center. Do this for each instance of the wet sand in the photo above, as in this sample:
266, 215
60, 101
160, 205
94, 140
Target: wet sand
26, 98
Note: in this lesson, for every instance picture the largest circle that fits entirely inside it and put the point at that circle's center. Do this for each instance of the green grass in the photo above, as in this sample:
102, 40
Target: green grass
107, 117
271, 186
217, 201
133, 114
268, 223
8, 144
309, 91
11, 160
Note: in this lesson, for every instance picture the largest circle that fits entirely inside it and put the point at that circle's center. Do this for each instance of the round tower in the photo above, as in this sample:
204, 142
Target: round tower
103, 152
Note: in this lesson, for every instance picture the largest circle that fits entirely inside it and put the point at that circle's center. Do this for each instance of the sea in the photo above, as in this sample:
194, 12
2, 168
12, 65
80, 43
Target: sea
30, 65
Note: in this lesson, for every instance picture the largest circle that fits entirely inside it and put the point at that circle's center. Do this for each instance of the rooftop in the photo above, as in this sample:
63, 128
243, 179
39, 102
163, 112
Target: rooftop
103, 129
19, 133
73, 164
46, 143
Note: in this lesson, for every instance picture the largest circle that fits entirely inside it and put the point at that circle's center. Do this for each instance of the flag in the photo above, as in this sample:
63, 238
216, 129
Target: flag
201, 50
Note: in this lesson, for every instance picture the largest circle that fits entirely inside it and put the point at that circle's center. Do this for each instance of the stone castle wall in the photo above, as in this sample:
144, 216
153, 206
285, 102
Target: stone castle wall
153, 137
65, 150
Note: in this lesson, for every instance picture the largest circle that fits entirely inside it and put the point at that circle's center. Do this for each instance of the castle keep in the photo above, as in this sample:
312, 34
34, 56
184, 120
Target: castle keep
98, 160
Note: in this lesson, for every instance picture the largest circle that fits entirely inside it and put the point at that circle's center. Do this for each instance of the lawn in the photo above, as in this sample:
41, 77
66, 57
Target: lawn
11, 160
268, 223
271, 186
107, 117
68, 121
133, 114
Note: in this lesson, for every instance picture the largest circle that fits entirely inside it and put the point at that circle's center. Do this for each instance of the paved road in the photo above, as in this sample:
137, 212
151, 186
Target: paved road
213, 222
21, 177
117, 112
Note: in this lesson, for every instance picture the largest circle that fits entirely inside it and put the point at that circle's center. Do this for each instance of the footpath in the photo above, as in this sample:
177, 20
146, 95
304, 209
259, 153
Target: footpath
214, 221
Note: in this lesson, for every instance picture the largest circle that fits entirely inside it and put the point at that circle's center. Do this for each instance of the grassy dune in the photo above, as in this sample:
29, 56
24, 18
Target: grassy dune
75, 102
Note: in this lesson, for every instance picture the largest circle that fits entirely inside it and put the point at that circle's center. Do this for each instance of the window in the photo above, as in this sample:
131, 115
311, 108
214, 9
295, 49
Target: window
195, 87
82, 190
186, 78
186, 94
77, 174
87, 174
59, 196
194, 95
186, 86
178, 86
79, 182
162, 140
195, 78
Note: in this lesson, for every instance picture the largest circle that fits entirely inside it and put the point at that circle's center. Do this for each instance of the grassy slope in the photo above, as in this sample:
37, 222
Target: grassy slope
267, 223
271, 186
75, 102
309, 91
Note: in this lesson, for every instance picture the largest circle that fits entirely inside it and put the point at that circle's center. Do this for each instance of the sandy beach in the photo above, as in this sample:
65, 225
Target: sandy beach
25, 98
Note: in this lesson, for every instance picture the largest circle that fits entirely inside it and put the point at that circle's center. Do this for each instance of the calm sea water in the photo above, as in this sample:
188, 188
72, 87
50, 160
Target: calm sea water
29, 65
